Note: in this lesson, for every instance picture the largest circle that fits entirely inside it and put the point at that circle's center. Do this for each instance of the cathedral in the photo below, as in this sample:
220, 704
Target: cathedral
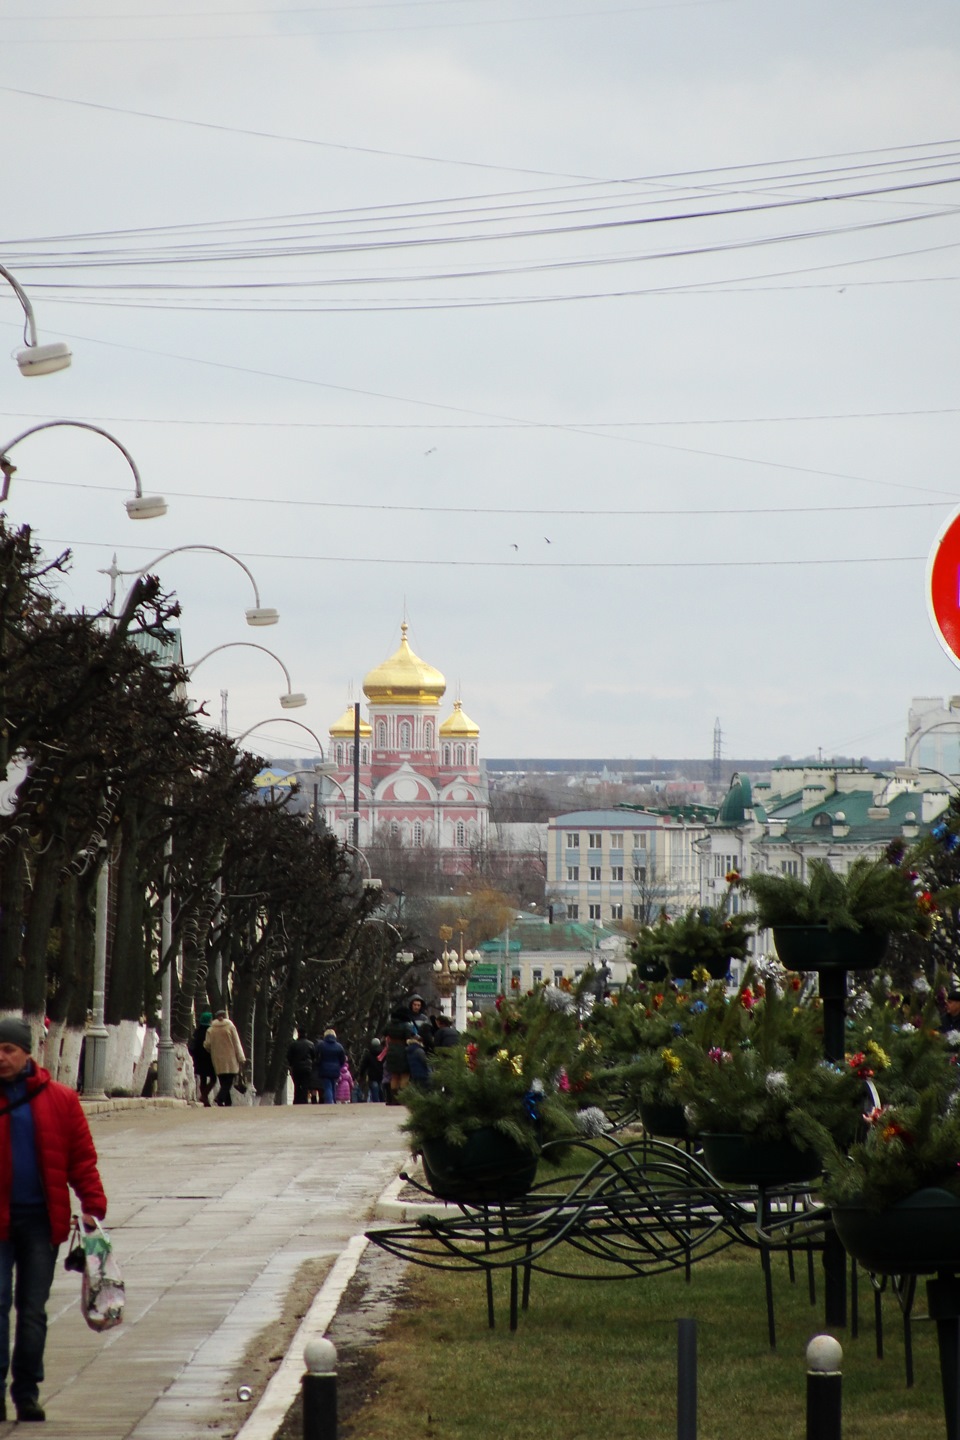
419, 777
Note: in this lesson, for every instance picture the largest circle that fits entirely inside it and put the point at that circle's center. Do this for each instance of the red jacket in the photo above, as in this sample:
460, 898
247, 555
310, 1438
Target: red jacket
66, 1155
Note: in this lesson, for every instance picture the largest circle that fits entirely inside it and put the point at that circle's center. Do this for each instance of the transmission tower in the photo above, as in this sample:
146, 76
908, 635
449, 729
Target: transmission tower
717, 751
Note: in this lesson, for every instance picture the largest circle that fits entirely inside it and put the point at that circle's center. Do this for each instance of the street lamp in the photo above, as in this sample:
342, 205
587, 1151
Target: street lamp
291, 701
139, 506
445, 969
258, 615
35, 359
281, 719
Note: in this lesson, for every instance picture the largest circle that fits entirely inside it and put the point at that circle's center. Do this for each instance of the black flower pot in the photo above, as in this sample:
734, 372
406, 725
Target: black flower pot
489, 1167
917, 1236
736, 1159
651, 971
667, 1121
814, 947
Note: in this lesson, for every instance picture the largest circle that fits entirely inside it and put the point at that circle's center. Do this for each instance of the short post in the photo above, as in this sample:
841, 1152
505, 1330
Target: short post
686, 1380
824, 1381
319, 1385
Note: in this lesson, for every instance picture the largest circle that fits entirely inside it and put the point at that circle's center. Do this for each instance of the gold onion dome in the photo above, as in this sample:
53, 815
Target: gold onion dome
404, 679
344, 726
459, 725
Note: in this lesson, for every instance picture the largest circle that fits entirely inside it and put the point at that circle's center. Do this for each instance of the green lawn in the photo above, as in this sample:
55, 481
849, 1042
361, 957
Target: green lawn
597, 1361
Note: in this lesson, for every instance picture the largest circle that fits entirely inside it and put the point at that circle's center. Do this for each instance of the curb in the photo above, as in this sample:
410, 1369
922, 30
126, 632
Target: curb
282, 1389
130, 1102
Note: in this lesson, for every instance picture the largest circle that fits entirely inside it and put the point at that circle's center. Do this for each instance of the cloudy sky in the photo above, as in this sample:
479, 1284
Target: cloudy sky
615, 345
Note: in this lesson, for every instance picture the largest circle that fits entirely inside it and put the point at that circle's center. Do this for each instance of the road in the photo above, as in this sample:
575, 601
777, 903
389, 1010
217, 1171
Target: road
215, 1214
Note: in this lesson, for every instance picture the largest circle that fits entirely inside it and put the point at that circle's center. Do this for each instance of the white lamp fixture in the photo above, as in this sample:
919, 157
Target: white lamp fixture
293, 698
262, 615
258, 611
139, 506
36, 359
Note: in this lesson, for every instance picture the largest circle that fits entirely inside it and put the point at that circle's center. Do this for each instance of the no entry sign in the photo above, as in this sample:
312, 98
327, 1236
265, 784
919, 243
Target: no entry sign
943, 587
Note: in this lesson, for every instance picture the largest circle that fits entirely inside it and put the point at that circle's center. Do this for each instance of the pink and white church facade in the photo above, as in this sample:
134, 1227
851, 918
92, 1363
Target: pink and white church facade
420, 777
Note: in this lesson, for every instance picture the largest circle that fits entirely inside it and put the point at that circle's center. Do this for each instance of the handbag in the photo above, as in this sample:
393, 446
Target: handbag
240, 1084
102, 1291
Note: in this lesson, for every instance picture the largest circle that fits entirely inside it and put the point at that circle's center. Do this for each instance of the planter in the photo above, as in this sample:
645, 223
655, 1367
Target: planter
814, 947
683, 966
667, 1121
741, 1160
914, 1237
651, 971
489, 1167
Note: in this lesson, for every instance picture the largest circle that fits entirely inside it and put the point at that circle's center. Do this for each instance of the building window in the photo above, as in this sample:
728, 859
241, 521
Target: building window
446, 754
640, 874
515, 976
573, 872
473, 754
616, 874
537, 976
339, 754
405, 735
616, 840
417, 833
557, 976
381, 735
573, 841
365, 754
428, 735
594, 912
638, 912
461, 835
639, 841
578, 972
595, 872
789, 867
395, 828
821, 821
616, 912
573, 912
596, 839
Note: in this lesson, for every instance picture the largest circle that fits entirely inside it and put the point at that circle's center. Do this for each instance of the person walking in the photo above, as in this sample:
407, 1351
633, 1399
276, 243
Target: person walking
202, 1063
344, 1092
45, 1147
331, 1057
300, 1065
371, 1071
226, 1052
446, 1035
396, 1066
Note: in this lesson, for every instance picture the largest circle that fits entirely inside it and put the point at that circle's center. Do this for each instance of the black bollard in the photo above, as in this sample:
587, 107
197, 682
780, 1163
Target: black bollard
824, 1382
319, 1387
686, 1380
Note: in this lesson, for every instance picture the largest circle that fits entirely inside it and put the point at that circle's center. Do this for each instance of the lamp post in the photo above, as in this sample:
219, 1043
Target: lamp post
465, 963
444, 970
291, 701
139, 507
257, 615
35, 359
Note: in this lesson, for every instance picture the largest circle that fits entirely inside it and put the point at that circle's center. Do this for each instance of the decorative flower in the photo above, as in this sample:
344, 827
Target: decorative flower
777, 1082
671, 1062
732, 877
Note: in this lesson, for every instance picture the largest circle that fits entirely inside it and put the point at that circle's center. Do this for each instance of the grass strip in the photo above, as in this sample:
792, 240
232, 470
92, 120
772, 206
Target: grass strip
597, 1361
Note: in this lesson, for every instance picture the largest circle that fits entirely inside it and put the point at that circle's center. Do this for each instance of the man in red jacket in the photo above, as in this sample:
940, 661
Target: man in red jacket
45, 1145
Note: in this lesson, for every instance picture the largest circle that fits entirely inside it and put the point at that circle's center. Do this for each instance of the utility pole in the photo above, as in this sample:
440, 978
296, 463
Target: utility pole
717, 751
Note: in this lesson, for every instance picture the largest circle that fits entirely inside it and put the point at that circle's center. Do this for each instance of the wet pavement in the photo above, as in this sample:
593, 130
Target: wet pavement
214, 1214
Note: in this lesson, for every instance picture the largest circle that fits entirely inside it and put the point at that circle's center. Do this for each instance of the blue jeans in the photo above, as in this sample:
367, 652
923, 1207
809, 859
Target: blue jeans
376, 1091
30, 1253
328, 1087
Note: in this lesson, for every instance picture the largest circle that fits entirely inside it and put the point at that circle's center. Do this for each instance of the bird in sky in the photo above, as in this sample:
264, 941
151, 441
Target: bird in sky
431, 451
514, 547
548, 540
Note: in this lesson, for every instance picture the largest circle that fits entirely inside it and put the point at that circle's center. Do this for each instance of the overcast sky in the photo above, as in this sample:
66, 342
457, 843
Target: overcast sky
615, 345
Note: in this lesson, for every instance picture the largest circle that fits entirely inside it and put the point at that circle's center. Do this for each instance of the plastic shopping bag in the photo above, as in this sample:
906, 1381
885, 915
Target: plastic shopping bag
102, 1291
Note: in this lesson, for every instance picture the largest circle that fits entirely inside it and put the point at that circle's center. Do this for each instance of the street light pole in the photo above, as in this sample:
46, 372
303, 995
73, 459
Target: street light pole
293, 698
35, 359
165, 1059
140, 507
95, 1049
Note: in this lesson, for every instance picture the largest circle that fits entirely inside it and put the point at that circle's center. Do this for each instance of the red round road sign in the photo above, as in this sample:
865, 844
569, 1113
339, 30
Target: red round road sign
943, 587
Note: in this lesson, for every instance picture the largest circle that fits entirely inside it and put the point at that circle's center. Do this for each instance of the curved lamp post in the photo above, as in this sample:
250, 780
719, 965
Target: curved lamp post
139, 507
285, 719
35, 359
258, 615
293, 698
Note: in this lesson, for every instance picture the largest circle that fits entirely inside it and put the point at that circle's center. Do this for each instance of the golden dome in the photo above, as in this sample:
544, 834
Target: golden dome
459, 725
344, 726
404, 679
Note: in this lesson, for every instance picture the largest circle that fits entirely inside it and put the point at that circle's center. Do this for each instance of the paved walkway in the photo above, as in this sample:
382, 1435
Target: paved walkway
213, 1213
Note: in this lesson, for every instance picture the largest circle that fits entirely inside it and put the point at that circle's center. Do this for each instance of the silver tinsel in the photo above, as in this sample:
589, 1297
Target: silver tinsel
556, 999
592, 1122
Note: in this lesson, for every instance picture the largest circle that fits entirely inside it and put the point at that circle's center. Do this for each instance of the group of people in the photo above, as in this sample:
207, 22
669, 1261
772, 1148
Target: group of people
217, 1054
321, 1070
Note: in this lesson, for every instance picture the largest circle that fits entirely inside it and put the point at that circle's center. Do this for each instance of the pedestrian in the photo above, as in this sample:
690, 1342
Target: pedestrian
344, 1084
226, 1052
417, 1063
446, 1035
45, 1146
331, 1057
419, 1019
371, 1071
396, 1069
202, 1063
300, 1065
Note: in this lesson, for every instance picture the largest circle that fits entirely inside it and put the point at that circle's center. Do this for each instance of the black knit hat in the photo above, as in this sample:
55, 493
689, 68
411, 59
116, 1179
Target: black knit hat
16, 1032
